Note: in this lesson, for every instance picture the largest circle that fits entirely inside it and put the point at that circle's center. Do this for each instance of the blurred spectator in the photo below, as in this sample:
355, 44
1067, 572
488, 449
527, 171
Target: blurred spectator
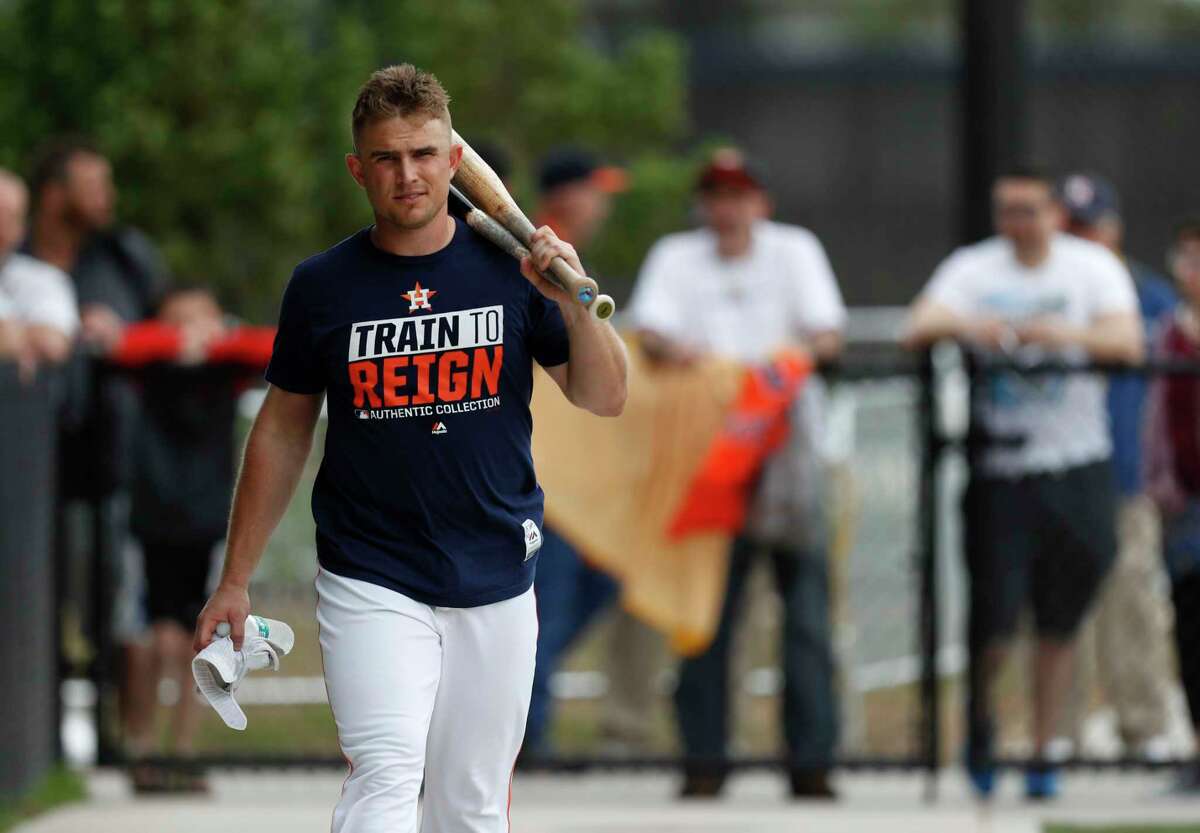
1172, 467
190, 366
744, 287
38, 317
1040, 508
575, 197
575, 194
496, 156
1124, 641
119, 278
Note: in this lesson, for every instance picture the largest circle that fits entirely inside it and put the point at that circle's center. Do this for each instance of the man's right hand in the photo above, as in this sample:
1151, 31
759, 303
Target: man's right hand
100, 325
231, 604
993, 334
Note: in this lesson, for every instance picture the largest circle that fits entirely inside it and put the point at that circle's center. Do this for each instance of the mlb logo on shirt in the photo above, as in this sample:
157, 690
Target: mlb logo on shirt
363, 414
438, 428
533, 538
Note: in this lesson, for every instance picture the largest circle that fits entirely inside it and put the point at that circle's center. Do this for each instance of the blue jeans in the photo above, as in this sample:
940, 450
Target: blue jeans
810, 717
569, 595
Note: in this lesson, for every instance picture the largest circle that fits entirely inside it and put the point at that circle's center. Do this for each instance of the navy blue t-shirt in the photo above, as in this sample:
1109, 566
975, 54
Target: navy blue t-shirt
427, 484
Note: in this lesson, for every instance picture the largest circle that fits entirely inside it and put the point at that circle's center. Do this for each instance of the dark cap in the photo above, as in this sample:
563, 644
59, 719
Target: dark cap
495, 155
729, 168
564, 166
1088, 198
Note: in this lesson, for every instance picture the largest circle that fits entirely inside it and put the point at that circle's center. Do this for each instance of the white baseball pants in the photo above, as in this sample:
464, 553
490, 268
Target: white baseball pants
418, 692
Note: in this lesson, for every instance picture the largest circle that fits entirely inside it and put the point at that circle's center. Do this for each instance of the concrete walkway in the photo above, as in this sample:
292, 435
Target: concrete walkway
301, 803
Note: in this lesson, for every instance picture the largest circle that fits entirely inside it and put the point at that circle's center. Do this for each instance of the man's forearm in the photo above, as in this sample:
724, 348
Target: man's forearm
271, 469
596, 372
1107, 343
930, 323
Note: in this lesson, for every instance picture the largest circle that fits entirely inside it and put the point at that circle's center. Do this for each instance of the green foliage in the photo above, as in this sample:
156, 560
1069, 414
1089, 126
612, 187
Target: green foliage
227, 120
60, 787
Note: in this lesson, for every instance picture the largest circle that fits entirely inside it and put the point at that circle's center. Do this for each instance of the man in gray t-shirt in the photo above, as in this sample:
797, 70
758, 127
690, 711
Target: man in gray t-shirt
1041, 506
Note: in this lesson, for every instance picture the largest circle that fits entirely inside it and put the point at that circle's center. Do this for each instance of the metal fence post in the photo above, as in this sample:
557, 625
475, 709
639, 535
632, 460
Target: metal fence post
931, 448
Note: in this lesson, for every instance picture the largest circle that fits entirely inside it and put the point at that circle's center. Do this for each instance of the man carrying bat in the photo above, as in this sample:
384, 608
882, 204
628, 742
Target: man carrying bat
422, 337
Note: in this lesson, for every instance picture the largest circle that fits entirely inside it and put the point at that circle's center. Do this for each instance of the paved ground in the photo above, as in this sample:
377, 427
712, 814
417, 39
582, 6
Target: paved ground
300, 803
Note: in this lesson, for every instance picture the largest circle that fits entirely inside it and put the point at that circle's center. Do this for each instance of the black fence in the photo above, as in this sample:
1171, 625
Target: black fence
902, 651
29, 688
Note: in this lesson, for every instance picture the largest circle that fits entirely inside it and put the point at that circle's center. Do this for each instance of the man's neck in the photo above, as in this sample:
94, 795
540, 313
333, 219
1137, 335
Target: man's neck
1033, 256
429, 238
56, 242
734, 243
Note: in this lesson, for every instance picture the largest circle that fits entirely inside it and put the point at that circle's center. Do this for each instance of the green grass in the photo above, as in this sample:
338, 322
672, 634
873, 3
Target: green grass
60, 787
1186, 828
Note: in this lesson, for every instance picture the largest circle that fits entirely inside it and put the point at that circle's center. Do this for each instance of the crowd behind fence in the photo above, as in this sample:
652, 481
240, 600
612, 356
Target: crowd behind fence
898, 589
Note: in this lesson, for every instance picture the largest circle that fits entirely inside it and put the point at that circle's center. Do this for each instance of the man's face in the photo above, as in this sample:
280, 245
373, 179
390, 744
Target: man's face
728, 210
1025, 212
14, 202
1185, 265
405, 165
1106, 231
190, 307
582, 207
89, 196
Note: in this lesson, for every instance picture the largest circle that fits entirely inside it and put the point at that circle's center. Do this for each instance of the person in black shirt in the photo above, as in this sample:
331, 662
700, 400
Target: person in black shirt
422, 338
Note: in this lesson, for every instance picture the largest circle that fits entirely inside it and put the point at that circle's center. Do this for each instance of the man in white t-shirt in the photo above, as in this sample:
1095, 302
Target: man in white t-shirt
1040, 510
743, 287
38, 316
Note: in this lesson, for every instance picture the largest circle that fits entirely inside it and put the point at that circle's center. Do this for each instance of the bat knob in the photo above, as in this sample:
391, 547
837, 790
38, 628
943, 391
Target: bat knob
586, 295
223, 629
603, 308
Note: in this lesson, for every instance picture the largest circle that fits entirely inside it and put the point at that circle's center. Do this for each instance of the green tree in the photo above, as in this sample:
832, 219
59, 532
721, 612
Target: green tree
227, 120
202, 111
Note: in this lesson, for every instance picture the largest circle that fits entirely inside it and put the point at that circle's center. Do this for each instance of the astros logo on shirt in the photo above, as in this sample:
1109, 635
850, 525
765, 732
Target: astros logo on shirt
418, 298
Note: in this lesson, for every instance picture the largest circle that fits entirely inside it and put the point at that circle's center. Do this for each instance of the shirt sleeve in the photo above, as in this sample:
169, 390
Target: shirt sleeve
44, 296
819, 300
950, 284
294, 366
653, 305
548, 342
1113, 290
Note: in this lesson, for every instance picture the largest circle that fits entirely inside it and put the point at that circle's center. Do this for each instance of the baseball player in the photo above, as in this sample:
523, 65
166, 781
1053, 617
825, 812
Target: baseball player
421, 336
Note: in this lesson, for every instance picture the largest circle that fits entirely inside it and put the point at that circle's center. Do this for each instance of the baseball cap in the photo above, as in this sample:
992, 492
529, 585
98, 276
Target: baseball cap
564, 166
1088, 198
729, 168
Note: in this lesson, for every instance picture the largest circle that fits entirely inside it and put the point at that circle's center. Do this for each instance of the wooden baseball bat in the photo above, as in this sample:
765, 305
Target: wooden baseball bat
484, 190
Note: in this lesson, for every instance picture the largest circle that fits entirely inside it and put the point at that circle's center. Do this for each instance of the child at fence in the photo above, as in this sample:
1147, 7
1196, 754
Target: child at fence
1172, 460
190, 365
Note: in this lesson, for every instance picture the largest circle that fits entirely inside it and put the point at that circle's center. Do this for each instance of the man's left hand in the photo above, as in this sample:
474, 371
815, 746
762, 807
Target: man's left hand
544, 246
1048, 331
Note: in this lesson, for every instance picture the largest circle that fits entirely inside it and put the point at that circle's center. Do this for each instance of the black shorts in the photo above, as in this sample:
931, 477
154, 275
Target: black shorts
1047, 540
176, 580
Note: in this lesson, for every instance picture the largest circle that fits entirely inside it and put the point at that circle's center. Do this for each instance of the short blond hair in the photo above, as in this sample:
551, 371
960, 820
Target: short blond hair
399, 90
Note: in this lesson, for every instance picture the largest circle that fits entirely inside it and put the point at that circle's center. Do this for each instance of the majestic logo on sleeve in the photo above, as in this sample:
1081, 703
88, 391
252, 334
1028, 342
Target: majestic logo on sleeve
418, 298
429, 365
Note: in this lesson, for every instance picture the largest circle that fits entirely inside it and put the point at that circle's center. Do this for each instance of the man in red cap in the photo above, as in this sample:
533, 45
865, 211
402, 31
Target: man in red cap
744, 287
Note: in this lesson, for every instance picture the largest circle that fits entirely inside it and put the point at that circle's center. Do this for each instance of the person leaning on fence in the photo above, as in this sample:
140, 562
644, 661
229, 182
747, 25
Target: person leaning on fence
575, 199
190, 364
119, 278
1171, 457
1040, 508
38, 316
1124, 641
744, 287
